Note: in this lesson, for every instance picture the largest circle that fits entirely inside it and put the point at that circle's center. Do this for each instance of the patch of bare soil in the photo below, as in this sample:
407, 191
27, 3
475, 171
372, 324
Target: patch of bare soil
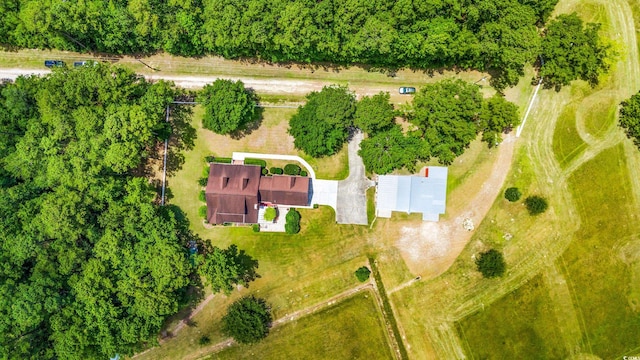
431, 248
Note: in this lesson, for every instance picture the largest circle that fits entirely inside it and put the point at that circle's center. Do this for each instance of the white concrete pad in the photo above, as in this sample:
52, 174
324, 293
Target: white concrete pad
325, 192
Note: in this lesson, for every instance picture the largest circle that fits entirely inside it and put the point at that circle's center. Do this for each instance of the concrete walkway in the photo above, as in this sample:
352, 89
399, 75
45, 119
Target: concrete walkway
244, 155
352, 192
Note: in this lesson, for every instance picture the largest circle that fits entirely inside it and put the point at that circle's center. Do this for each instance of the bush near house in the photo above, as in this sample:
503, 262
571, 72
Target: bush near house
251, 161
292, 169
270, 214
203, 181
265, 171
303, 173
292, 225
202, 211
276, 170
202, 196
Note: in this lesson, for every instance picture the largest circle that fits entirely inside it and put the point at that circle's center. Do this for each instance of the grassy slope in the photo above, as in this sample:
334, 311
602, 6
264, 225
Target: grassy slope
351, 329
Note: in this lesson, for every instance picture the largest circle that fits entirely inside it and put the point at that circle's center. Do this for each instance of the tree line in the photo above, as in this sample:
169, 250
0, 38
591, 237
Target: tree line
496, 35
90, 265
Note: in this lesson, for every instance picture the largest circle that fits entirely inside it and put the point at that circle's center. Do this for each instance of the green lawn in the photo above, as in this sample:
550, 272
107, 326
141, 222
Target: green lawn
499, 332
600, 261
567, 143
599, 115
351, 329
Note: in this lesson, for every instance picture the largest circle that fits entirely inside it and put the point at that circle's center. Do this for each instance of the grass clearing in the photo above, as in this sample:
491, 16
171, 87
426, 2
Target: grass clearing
567, 143
598, 115
600, 262
498, 332
351, 329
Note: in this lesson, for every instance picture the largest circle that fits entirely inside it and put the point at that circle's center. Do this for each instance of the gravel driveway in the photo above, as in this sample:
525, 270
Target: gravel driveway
352, 198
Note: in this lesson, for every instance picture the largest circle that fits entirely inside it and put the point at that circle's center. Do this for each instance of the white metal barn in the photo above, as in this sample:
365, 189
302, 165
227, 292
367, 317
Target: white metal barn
425, 193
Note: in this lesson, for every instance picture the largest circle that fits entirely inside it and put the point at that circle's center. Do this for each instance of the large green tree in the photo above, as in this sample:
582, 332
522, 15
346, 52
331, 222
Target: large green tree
447, 113
630, 118
228, 106
90, 266
321, 126
374, 113
390, 150
247, 320
497, 116
571, 50
225, 268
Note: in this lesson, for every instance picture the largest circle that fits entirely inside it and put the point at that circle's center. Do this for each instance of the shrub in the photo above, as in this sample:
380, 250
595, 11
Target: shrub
205, 171
292, 169
292, 225
255, 227
265, 171
276, 170
270, 214
222, 160
204, 340
202, 211
303, 173
209, 159
248, 320
203, 181
512, 194
250, 161
363, 274
202, 196
536, 204
491, 263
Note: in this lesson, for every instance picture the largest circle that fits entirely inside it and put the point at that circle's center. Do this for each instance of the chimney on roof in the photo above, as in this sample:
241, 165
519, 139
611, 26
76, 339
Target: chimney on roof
245, 182
225, 182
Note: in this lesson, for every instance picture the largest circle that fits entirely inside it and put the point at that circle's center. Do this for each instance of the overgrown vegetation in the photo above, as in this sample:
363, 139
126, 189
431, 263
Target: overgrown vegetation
630, 118
247, 320
229, 107
225, 268
499, 36
491, 263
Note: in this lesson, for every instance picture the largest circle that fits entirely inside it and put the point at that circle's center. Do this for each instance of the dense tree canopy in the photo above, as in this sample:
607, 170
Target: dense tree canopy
497, 116
228, 106
320, 127
247, 320
630, 118
447, 113
498, 35
391, 149
89, 265
572, 51
224, 268
374, 113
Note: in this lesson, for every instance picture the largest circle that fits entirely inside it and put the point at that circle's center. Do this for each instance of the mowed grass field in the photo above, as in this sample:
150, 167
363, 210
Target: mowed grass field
351, 329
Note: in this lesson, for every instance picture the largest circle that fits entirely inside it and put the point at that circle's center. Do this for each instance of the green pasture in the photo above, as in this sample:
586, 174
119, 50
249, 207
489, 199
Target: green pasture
567, 143
499, 332
351, 329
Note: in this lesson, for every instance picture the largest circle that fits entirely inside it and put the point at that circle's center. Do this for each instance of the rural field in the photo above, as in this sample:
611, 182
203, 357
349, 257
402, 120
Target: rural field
571, 282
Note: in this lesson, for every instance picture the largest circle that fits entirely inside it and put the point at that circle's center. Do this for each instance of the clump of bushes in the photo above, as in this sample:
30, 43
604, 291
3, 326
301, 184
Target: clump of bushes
536, 204
292, 169
265, 171
255, 227
202, 196
292, 224
491, 263
202, 211
303, 173
270, 214
203, 181
512, 194
276, 170
363, 273
204, 340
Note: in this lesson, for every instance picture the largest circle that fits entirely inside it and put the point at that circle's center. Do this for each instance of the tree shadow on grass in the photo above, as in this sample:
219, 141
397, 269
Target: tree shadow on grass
182, 137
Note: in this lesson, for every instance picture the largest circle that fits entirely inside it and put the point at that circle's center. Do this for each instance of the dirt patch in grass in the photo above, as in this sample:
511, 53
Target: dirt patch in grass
498, 332
352, 329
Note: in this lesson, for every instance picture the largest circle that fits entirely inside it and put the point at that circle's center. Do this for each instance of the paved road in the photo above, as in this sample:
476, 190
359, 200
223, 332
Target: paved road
352, 196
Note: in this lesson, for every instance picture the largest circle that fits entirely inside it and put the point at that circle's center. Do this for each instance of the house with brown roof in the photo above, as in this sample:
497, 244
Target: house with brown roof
234, 192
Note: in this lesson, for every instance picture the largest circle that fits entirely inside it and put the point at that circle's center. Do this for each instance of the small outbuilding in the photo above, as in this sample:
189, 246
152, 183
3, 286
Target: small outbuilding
425, 193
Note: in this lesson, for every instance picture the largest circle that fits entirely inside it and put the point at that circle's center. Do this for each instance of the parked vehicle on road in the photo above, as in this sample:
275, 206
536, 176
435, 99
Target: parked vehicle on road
53, 63
407, 90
